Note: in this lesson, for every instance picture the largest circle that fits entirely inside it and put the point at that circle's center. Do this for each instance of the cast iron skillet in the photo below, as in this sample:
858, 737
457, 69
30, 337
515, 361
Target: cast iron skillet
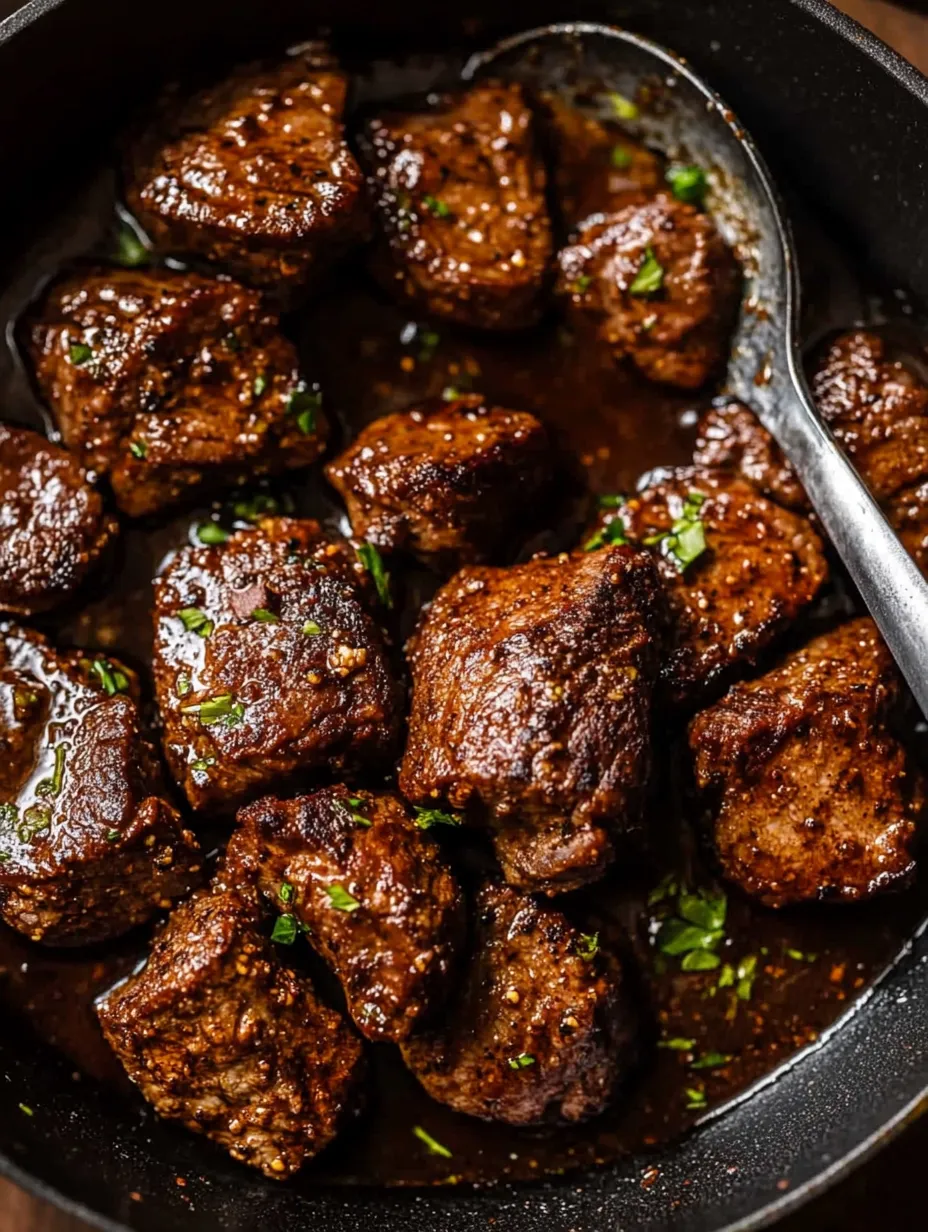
842, 120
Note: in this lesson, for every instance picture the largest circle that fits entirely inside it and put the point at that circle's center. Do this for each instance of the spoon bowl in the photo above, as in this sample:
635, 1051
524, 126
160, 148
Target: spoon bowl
660, 100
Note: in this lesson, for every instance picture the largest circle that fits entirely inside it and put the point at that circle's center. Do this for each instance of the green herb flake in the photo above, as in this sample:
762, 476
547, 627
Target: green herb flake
650, 276
195, 621
612, 534
112, 836
26, 1110
522, 1061
581, 284
202, 764
666, 889
372, 561
37, 817
588, 946
311, 629
685, 542
726, 977
79, 353
221, 709
184, 685
676, 937
623, 107
211, 533
138, 449
303, 404
695, 1098
688, 184
286, 929
260, 384
285, 893
678, 1044
450, 393
746, 973
341, 899
699, 960
428, 817
620, 157
254, 508
711, 1060
130, 251
610, 500
52, 786
111, 678
704, 909
433, 1146
265, 616
436, 206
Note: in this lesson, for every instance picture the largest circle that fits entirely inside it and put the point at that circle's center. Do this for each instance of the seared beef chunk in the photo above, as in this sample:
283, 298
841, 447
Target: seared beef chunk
53, 527
531, 708
89, 847
167, 381
459, 190
268, 664
541, 1027
452, 482
738, 570
219, 1036
598, 169
878, 411
657, 285
371, 889
732, 438
254, 174
815, 797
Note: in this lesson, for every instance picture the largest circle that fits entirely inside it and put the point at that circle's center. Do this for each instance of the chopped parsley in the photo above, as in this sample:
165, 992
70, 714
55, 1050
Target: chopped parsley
353, 804
436, 206
303, 403
434, 1147
221, 709
620, 157
798, 956
685, 542
695, 1098
130, 250
341, 899
286, 892
202, 764
79, 353
623, 107
26, 1110
711, 1060
450, 393
265, 616
37, 817
138, 449
184, 685
581, 284
745, 974
428, 817
111, 677
254, 508
588, 946
611, 500
211, 533
372, 561
677, 1044
286, 929
522, 1061
688, 184
311, 629
611, 534
260, 384
195, 621
112, 836
650, 276
52, 786
694, 933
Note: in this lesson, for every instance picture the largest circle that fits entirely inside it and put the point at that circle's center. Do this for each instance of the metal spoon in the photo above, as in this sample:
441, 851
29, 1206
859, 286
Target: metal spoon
765, 369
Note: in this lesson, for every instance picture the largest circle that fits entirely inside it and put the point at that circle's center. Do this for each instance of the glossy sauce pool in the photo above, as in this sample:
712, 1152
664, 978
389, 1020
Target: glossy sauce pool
800, 970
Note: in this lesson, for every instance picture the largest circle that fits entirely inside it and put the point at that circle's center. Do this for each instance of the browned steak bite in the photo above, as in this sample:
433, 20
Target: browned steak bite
732, 438
657, 285
877, 409
452, 482
254, 174
531, 708
371, 889
813, 795
738, 570
541, 1028
217, 1035
459, 190
269, 664
167, 382
53, 526
89, 846
598, 168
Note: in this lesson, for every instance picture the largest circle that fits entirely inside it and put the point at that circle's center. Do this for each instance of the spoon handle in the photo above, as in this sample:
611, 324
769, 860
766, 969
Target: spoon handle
889, 581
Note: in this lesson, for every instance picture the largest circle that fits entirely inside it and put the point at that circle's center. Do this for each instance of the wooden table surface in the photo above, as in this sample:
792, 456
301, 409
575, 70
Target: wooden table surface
890, 1188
